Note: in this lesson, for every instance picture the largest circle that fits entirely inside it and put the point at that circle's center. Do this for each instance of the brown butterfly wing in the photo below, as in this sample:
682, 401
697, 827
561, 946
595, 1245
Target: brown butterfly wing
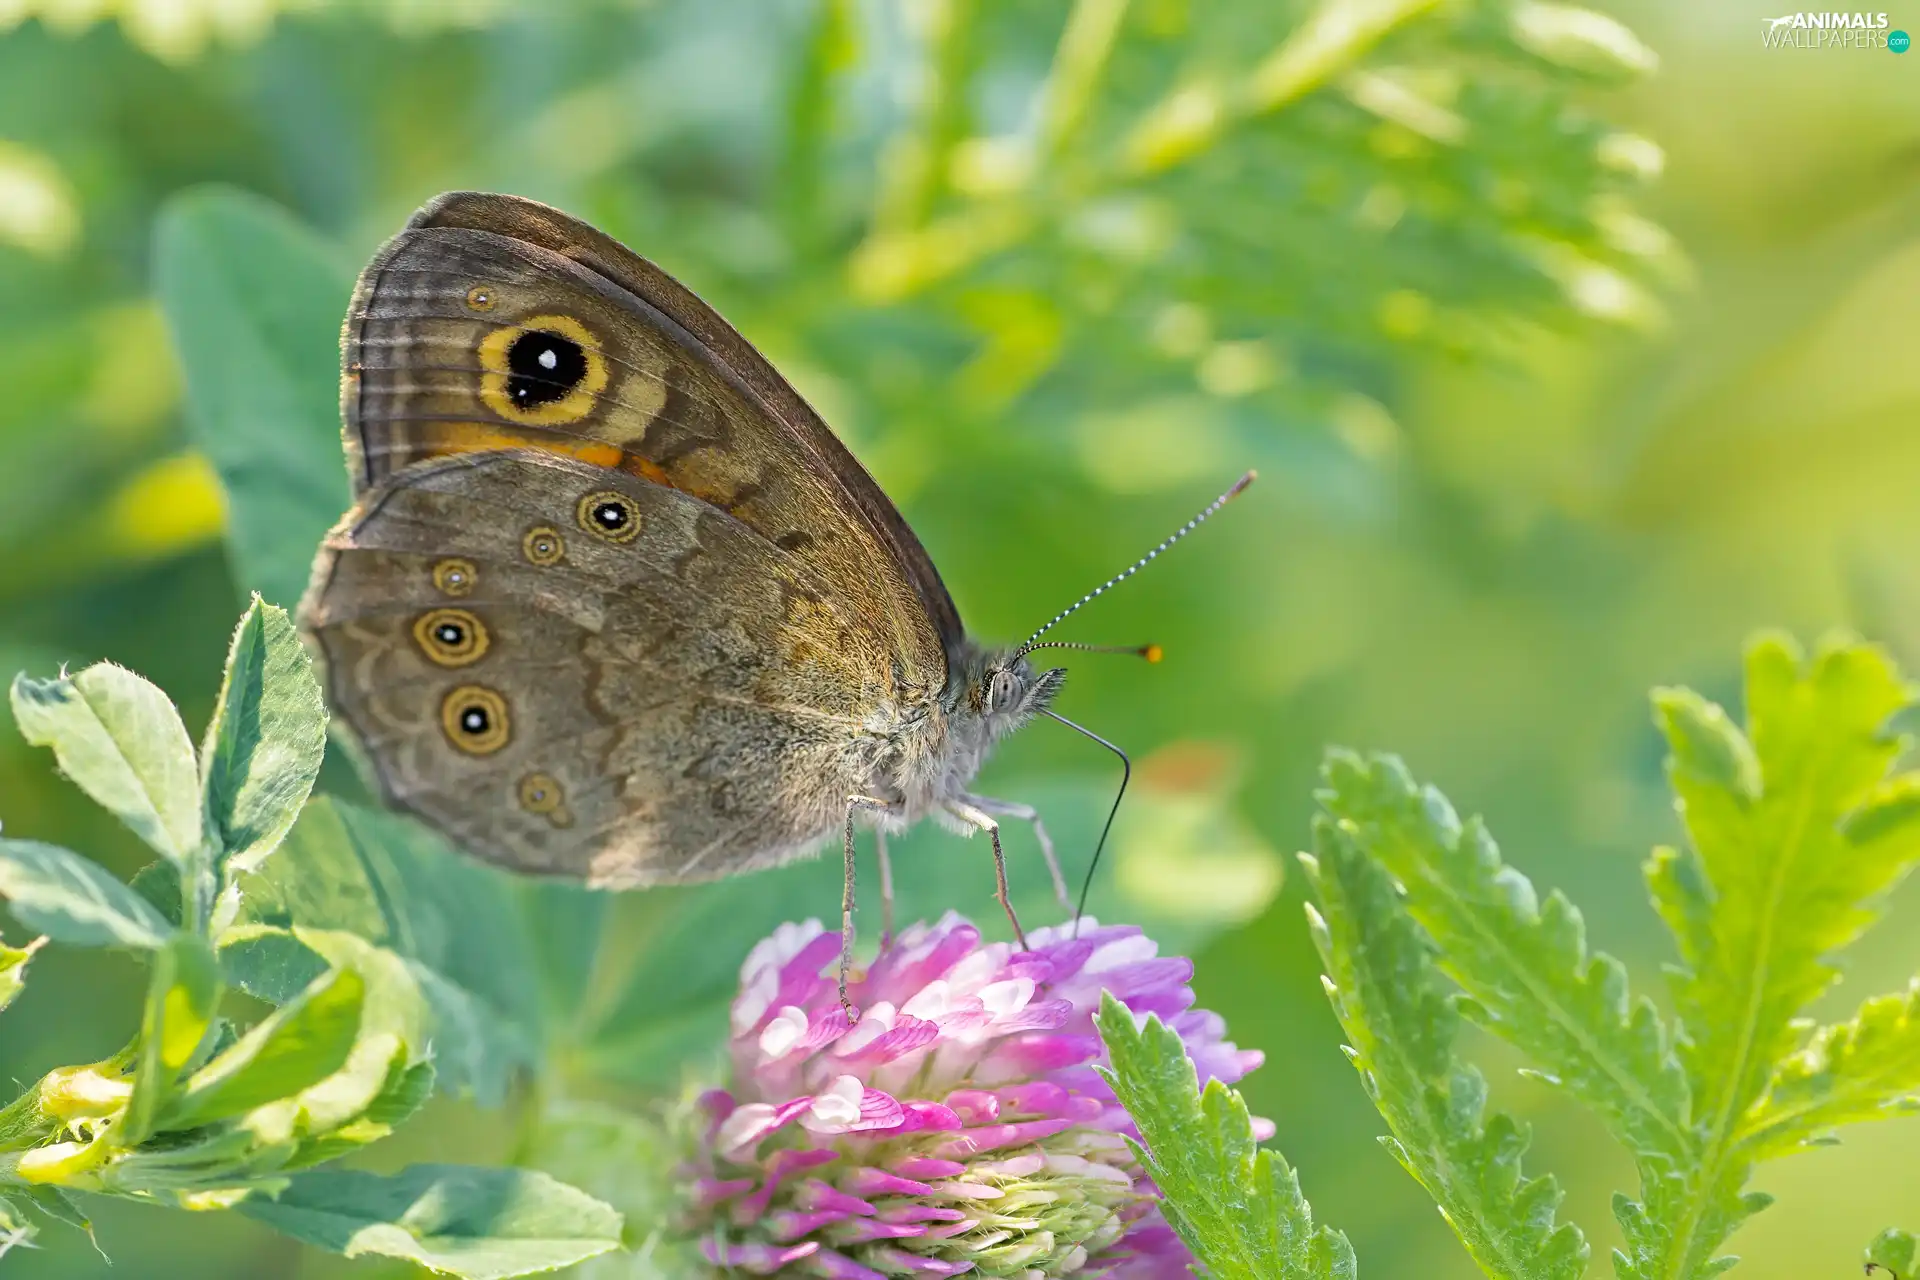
667, 701
443, 351
684, 702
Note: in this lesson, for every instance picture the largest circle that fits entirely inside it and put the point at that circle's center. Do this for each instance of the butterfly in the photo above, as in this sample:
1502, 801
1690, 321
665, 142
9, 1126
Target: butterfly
611, 601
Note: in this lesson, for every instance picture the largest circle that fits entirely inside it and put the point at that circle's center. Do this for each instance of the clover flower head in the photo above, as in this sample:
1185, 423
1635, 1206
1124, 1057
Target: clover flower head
957, 1127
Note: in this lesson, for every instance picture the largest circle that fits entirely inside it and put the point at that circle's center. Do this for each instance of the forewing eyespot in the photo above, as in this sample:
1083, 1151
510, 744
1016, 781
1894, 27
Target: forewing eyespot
610, 514
482, 298
455, 577
451, 637
546, 371
475, 719
543, 545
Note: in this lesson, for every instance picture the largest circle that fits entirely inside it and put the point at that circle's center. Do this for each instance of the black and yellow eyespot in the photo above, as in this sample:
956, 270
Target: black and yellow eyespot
475, 719
610, 514
482, 298
455, 577
451, 637
543, 545
544, 372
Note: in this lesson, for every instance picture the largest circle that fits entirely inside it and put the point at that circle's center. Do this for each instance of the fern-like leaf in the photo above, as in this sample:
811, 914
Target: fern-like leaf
1237, 1207
1400, 1020
1856, 1071
1794, 831
1523, 962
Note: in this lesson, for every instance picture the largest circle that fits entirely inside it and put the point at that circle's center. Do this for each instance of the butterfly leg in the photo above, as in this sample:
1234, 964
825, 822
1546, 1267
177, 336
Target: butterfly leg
977, 817
886, 887
854, 805
1028, 814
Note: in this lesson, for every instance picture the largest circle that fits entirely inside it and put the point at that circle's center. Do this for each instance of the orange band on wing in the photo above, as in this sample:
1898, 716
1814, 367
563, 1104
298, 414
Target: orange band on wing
481, 437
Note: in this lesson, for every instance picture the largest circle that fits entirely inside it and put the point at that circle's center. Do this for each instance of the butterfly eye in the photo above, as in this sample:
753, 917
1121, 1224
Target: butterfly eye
614, 516
1002, 691
475, 719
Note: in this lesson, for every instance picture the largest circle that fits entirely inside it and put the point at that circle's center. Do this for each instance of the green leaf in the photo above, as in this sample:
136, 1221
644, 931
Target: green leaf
1862, 1069
456, 924
1892, 1250
300, 1044
1237, 1207
1795, 830
631, 1160
268, 734
120, 740
484, 1224
20, 1204
1400, 1022
1524, 963
16, 1229
13, 969
254, 300
182, 993
472, 1045
59, 893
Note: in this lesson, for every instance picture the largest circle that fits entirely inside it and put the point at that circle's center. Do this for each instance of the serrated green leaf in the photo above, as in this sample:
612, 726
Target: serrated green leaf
1237, 1207
1893, 1250
300, 1044
1795, 830
1524, 963
1862, 1069
120, 740
253, 300
13, 969
57, 892
1400, 1023
484, 1224
268, 734
182, 993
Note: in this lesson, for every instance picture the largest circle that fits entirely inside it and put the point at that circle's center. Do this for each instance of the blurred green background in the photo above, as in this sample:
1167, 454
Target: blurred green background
1546, 414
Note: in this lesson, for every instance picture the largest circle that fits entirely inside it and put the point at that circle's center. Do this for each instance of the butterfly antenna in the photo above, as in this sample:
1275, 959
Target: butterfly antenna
1151, 652
1126, 776
1147, 651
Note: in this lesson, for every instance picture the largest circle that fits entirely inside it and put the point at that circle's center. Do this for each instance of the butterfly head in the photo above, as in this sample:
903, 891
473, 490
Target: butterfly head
1006, 690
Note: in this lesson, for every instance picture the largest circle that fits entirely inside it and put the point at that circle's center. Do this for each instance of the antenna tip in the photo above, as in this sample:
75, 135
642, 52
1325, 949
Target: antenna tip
1152, 653
1239, 486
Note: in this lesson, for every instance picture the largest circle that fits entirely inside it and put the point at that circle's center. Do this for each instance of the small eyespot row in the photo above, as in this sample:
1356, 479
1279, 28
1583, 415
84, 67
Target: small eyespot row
451, 637
543, 545
609, 514
475, 719
455, 577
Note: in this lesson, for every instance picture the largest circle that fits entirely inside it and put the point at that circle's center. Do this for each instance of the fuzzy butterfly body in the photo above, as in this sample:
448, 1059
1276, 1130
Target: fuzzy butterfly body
612, 602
